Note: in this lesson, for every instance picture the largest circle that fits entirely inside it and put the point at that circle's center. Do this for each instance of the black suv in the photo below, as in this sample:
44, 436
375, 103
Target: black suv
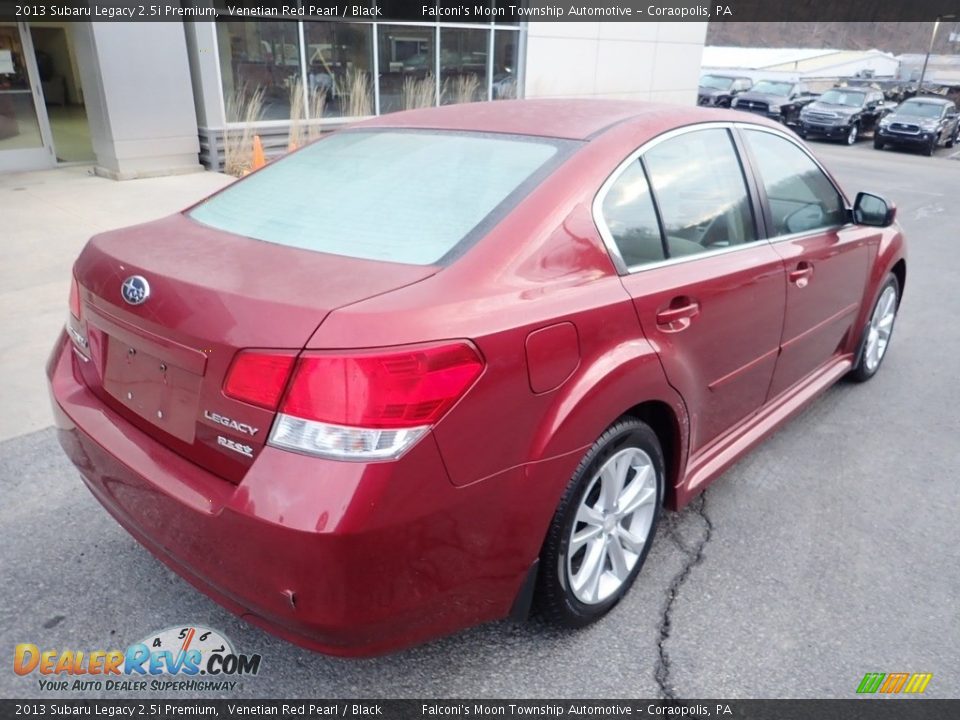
717, 90
920, 122
776, 99
842, 114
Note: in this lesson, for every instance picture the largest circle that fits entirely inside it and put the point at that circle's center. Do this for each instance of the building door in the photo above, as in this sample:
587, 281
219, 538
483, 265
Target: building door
62, 91
25, 140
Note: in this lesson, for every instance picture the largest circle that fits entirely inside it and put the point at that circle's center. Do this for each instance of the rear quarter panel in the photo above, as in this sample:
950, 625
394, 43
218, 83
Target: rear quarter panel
543, 264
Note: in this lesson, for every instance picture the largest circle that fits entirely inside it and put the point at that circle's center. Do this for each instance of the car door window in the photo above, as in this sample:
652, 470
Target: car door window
801, 197
700, 191
631, 219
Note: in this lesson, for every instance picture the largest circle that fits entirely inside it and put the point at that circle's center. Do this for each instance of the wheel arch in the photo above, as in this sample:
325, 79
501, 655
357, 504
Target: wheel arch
899, 270
663, 420
627, 380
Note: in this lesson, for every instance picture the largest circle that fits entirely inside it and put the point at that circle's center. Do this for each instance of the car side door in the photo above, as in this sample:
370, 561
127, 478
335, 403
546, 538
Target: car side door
871, 111
826, 256
709, 292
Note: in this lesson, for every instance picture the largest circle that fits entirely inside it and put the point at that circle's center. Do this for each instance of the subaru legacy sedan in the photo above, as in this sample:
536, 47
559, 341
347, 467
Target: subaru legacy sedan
451, 365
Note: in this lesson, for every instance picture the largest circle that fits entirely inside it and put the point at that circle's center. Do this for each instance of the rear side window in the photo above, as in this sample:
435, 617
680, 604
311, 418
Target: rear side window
701, 192
801, 197
397, 196
629, 214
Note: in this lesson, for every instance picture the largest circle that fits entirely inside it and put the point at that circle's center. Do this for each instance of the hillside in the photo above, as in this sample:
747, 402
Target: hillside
894, 37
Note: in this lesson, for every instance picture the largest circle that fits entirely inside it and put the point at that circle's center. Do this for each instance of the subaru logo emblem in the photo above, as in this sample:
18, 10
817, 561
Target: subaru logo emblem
135, 290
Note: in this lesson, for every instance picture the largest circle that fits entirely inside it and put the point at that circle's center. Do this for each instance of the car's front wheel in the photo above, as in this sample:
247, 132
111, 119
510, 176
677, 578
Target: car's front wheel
930, 147
877, 143
604, 526
852, 134
879, 331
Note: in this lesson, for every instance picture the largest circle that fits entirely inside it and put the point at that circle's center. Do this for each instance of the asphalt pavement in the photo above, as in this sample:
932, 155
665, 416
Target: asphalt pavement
828, 552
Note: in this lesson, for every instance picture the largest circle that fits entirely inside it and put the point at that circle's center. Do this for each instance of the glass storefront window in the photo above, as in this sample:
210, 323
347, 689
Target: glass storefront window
354, 69
339, 68
463, 65
505, 70
258, 60
19, 128
408, 69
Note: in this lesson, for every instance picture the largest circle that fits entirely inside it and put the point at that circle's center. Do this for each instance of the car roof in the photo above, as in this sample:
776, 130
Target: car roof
579, 119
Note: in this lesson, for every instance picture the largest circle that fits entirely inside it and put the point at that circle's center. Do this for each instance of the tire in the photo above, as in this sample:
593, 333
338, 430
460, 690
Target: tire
568, 593
930, 148
853, 134
953, 140
868, 361
877, 144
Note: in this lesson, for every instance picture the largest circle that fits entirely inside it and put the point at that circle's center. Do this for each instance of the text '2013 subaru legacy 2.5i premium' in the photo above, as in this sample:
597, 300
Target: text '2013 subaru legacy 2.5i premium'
452, 363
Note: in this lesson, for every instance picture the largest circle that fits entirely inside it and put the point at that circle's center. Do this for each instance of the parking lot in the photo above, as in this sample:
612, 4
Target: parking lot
828, 552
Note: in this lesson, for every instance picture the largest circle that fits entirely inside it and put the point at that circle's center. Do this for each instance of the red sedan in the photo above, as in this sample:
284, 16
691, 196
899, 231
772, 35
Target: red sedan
449, 364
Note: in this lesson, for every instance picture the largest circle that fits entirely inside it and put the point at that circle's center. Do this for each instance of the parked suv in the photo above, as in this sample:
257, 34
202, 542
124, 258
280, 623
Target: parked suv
719, 90
779, 100
842, 113
920, 122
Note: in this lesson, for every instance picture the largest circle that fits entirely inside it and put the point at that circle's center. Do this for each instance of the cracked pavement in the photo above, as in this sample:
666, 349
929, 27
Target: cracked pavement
826, 553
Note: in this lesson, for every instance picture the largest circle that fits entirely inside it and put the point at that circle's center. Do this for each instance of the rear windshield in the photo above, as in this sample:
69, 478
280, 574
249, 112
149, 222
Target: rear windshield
397, 196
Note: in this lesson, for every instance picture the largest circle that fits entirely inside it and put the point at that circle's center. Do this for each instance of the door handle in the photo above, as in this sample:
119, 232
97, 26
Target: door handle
678, 314
801, 275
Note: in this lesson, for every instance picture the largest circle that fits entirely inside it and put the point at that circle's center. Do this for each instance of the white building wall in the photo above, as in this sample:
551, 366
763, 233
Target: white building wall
625, 60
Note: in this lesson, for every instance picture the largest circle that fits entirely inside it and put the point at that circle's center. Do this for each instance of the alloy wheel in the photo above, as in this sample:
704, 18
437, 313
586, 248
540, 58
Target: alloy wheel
611, 526
852, 135
881, 327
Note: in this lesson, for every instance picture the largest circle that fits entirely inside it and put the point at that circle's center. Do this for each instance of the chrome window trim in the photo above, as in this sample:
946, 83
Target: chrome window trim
607, 236
604, 229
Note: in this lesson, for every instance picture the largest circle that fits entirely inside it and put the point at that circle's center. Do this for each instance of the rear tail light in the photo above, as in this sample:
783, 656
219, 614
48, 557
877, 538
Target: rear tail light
73, 326
74, 297
371, 405
259, 377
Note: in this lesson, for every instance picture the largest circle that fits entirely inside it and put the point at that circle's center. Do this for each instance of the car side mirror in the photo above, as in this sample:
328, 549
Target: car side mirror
951, 116
873, 210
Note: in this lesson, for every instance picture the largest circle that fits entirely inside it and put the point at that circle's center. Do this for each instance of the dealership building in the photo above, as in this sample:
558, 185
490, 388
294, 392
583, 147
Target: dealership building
152, 98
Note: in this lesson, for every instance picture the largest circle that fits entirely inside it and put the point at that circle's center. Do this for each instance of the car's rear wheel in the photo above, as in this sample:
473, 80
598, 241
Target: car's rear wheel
879, 331
952, 141
852, 134
604, 526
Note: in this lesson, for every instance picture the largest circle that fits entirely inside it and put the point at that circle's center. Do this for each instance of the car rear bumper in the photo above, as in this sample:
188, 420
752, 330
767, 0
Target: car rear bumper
343, 558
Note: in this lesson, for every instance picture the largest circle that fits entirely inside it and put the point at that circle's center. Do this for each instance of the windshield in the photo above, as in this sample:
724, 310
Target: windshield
716, 82
920, 109
843, 97
773, 88
391, 195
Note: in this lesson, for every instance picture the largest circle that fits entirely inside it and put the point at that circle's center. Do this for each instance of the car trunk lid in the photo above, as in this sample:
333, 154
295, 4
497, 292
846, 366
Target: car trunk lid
162, 363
